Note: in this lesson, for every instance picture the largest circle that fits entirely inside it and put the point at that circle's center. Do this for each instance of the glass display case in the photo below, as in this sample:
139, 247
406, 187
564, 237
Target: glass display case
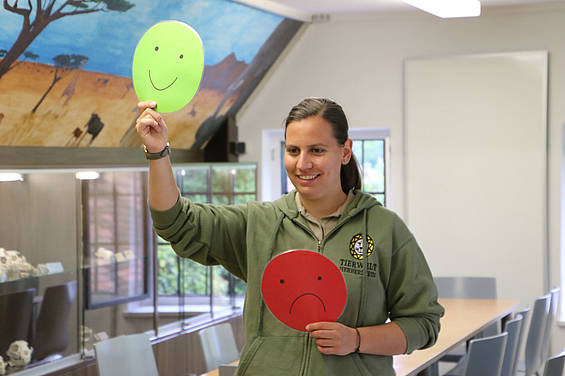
79, 261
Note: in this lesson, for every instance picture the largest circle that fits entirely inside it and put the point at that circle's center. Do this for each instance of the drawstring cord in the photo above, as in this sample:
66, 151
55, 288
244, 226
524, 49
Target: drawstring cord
272, 246
363, 297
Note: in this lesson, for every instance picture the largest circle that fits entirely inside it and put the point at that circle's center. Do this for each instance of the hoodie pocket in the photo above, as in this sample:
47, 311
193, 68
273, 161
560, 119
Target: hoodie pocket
273, 356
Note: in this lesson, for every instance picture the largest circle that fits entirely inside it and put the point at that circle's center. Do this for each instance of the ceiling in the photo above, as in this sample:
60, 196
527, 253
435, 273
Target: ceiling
304, 9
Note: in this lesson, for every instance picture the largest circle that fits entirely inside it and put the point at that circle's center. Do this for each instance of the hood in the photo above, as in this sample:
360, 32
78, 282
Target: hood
360, 202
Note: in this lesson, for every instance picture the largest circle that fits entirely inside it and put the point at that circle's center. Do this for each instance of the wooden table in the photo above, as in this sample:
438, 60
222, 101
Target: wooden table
463, 319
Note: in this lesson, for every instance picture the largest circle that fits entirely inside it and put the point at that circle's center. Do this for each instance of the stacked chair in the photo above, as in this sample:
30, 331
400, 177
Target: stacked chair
554, 365
539, 334
126, 355
219, 347
492, 354
468, 288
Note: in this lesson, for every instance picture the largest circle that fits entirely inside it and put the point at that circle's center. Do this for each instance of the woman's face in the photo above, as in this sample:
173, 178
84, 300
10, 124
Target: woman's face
313, 158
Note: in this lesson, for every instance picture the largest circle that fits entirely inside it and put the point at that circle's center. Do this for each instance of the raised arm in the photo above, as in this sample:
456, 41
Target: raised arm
151, 127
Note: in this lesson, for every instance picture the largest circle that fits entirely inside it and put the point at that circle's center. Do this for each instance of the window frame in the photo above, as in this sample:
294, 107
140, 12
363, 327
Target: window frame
183, 305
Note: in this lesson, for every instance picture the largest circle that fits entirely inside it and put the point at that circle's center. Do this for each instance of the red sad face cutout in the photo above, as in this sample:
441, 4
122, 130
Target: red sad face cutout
302, 287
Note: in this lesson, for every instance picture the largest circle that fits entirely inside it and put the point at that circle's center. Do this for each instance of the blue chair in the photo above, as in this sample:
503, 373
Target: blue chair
484, 358
532, 362
126, 355
525, 313
550, 320
554, 365
513, 328
468, 288
218, 345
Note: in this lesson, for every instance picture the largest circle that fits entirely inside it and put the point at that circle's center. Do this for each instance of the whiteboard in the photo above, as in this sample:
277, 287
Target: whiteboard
475, 145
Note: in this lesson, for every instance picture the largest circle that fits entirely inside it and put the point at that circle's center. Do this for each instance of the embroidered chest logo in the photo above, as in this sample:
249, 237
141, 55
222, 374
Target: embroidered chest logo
356, 246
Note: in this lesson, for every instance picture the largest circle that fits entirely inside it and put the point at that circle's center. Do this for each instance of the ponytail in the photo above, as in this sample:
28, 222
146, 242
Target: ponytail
350, 175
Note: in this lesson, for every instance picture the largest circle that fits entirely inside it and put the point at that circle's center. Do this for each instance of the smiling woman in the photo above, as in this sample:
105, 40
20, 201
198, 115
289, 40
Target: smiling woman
159, 63
391, 301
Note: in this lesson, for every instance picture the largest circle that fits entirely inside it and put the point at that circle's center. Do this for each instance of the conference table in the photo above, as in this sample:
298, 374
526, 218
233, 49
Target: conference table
463, 319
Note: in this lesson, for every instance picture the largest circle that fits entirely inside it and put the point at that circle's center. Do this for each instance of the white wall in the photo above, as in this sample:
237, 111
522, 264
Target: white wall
474, 210
358, 61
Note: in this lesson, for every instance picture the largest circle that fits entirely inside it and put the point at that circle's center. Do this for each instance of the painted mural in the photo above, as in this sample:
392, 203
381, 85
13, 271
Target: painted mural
65, 68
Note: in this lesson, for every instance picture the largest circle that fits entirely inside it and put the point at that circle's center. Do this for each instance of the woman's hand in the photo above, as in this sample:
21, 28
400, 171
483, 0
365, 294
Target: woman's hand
151, 127
333, 337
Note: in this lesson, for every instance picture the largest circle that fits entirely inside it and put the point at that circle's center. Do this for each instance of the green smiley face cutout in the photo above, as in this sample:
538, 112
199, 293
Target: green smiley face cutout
167, 65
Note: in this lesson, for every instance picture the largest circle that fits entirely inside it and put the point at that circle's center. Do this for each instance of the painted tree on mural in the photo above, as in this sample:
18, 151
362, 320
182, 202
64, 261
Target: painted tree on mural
63, 63
45, 13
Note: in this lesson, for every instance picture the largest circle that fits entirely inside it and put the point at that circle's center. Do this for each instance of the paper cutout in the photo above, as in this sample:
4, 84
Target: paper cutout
167, 65
301, 287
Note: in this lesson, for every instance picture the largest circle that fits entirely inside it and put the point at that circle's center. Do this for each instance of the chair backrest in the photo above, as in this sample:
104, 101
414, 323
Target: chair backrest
534, 342
126, 355
485, 356
554, 293
513, 329
52, 334
525, 313
16, 311
554, 365
218, 345
466, 287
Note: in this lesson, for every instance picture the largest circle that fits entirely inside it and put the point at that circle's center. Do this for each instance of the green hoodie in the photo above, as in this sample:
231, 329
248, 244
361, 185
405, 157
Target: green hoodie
393, 282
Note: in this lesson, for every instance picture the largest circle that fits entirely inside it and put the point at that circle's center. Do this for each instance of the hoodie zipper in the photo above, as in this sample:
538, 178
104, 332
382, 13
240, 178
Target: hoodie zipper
306, 357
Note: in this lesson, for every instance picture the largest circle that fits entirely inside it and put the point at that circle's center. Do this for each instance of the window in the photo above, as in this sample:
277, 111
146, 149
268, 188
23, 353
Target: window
196, 287
370, 155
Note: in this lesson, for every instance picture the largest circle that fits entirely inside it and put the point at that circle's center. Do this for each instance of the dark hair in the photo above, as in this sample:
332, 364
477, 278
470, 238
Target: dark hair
333, 114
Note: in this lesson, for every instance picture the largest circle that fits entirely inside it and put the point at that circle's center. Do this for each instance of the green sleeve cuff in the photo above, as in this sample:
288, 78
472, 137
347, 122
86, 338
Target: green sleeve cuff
413, 332
165, 218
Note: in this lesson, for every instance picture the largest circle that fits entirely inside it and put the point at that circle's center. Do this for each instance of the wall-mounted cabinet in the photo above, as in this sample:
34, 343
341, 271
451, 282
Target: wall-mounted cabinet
89, 245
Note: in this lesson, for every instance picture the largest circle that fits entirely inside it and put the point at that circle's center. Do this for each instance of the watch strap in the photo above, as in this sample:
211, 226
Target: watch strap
163, 153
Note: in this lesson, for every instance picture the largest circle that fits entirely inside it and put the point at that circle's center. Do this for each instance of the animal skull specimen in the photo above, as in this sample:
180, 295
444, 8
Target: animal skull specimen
19, 354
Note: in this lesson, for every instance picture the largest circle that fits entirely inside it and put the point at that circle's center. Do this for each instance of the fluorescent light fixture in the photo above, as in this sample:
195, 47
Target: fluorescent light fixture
278, 7
448, 8
11, 176
87, 175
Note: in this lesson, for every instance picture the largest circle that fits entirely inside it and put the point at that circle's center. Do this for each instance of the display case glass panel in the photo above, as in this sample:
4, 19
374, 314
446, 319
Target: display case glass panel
116, 253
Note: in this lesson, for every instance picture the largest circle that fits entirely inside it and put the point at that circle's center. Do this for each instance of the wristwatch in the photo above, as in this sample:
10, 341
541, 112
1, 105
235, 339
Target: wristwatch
152, 156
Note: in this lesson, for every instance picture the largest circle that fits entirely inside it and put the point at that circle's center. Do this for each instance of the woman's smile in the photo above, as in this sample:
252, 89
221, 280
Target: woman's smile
313, 159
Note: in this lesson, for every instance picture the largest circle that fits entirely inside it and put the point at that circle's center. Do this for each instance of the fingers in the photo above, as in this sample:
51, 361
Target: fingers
141, 106
329, 342
149, 119
320, 325
332, 337
146, 109
146, 125
157, 117
323, 334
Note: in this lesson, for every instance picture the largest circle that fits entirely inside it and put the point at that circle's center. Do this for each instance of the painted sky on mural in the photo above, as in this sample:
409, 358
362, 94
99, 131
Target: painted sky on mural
109, 39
